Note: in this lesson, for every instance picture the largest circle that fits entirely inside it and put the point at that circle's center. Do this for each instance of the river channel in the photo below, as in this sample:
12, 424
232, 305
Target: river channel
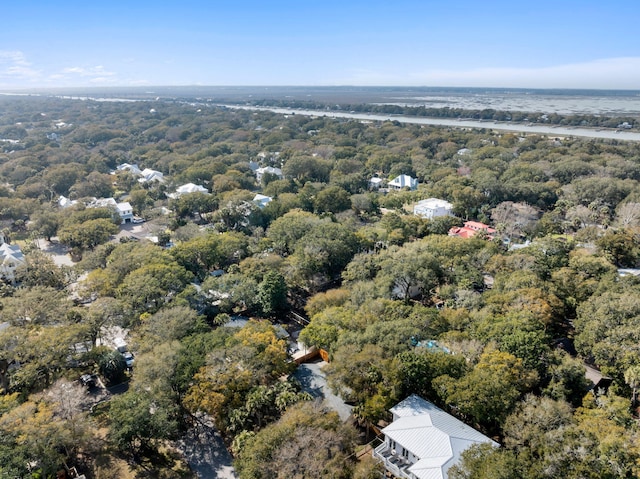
554, 131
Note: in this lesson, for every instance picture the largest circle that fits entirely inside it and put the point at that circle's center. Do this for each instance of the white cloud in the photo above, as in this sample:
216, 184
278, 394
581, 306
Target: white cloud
14, 67
74, 70
609, 73
138, 82
95, 71
13, 57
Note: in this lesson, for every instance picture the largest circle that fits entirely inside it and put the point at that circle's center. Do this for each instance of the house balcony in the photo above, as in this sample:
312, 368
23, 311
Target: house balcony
395, 464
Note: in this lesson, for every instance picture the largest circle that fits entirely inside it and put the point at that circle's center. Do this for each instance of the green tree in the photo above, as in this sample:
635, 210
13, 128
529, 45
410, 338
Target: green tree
632, 378
288, 229
45, 222
487, 394
607, 329
102, 313
171, 323
252, 356
484, 461
332, 199
535, 429
87, 235
138, 421
33, 441
39, 269
272, 293
620, 247
417, 369
205, 253
566, 379
149, 286
112, 365
193, 203
38, 305
409, 271
321, 254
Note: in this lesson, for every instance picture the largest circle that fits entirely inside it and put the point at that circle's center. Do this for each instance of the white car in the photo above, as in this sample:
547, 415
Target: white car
128, 359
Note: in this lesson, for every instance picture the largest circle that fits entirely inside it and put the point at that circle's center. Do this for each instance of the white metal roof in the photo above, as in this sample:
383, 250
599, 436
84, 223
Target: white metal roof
403, 180
413, 406
434, 203
436, 438
124, 207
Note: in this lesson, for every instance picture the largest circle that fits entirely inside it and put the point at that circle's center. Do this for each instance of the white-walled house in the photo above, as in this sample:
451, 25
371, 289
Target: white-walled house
403, 181
432, 208
260, 172
375, 183
148, 175
64, 202
262, 200
423, 441
132, 168
187, 189
11, 257
124, 209
145, 176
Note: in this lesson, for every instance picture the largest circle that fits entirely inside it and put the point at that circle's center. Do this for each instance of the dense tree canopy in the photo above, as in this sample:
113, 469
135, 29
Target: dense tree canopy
483, 328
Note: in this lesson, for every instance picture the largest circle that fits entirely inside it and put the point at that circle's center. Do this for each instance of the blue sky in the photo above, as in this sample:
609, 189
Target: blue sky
543, 44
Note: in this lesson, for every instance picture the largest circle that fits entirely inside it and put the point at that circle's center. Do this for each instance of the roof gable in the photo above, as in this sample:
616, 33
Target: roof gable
403, 180
435, 437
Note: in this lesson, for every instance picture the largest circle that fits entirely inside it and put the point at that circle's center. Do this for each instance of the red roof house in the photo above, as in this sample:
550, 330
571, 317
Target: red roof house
472, 228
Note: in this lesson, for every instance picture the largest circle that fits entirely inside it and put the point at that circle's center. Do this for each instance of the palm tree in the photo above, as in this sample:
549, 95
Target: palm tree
632, 378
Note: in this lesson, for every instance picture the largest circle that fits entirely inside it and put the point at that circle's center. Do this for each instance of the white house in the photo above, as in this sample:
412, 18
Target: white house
102, 203
423, 441
432, 207
10, 258
260, 172
132, 168
261, 200
187, 189
145, 176
125, 210
148, 175
403, 181
64, 202
375, 183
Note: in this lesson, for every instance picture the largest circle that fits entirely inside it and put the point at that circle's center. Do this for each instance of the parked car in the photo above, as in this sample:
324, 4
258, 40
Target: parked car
128, 359
88, 380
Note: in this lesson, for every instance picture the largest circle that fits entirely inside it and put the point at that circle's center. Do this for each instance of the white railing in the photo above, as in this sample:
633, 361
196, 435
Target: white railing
395, 464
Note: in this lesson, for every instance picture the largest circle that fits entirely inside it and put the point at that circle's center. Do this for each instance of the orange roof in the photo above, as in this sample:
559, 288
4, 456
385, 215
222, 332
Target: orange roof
477, 226
469, 232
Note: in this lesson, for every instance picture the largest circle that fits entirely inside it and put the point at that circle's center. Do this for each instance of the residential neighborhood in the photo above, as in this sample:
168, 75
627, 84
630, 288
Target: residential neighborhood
218, 293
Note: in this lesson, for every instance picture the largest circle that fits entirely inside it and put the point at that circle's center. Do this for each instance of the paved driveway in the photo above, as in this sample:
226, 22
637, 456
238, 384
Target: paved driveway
314, 381
205, 452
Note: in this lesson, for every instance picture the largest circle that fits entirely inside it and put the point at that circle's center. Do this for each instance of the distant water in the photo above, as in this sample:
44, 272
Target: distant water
564, 102
569, 102
592, 102
561, 101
